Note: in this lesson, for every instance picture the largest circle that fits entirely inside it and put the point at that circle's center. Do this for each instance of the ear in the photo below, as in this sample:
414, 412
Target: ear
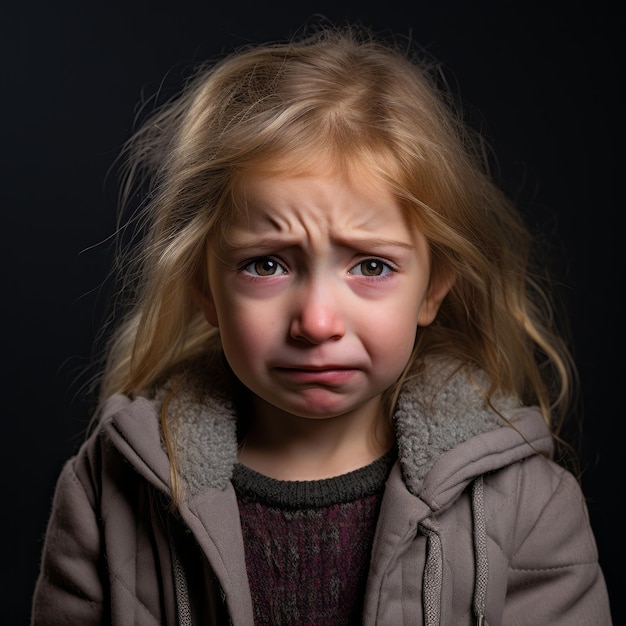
440, 284
204, 301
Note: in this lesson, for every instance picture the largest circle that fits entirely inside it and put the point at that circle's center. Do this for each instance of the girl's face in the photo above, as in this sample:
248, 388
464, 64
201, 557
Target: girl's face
318, 288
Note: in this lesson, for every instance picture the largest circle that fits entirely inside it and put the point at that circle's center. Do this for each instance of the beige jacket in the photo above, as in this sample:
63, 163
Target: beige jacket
477, 526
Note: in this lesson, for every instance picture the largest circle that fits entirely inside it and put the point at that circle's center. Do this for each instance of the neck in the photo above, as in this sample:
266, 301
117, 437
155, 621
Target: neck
289, 447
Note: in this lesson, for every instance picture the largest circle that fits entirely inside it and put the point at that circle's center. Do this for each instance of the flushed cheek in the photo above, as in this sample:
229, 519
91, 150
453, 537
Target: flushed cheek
389, 335
394, 321
390, 348
247, 336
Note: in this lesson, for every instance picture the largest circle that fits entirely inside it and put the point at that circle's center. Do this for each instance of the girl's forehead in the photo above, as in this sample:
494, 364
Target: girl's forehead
371, 175
314, 187
328, 205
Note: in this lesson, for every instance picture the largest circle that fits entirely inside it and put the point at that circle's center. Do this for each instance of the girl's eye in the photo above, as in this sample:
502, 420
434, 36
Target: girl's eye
371, 267
264, 266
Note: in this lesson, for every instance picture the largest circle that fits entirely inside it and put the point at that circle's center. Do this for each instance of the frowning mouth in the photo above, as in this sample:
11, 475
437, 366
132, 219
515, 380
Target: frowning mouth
325, 374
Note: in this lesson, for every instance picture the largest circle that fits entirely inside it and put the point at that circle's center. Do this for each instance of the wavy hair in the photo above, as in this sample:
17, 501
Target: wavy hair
345, 97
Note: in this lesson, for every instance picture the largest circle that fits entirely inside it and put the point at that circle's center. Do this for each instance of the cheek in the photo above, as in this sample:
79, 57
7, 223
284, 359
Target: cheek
391, 335
396, 341
246, 334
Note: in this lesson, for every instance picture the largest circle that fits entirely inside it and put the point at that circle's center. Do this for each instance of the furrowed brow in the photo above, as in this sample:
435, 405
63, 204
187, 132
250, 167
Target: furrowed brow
270, 243
365, 243
278, 243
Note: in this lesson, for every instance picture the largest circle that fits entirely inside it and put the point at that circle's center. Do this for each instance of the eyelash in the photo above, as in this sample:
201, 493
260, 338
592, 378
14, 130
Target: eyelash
250, 267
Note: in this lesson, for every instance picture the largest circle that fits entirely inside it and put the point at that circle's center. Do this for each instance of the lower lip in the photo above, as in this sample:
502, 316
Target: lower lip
318, 377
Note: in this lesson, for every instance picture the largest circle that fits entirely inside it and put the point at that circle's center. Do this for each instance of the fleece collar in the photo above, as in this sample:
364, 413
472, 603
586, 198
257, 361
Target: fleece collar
437, 410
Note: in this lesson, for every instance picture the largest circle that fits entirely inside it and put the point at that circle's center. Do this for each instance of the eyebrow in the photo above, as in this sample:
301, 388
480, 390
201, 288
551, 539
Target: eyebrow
357, 243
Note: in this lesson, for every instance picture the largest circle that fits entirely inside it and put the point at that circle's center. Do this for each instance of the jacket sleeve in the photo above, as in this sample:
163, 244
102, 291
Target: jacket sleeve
69, 589
554, 573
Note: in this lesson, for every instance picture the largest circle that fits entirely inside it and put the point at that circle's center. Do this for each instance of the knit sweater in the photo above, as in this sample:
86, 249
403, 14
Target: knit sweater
308, 543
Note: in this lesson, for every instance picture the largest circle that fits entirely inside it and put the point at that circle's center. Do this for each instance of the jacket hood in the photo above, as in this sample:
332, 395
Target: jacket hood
447, 432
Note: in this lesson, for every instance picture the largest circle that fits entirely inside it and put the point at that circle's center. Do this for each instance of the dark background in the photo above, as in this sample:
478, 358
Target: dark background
544, 77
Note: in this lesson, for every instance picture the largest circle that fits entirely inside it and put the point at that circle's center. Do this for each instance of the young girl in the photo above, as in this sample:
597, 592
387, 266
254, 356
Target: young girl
337, 392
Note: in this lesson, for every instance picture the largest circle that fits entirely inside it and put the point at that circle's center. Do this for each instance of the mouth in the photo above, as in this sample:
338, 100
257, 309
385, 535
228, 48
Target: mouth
323, 374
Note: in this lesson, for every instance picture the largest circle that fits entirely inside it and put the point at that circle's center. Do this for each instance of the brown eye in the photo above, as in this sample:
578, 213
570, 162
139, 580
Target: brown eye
372, 268
264, 266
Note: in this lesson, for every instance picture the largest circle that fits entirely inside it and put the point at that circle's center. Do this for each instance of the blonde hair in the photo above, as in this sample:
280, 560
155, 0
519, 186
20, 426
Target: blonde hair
344, 94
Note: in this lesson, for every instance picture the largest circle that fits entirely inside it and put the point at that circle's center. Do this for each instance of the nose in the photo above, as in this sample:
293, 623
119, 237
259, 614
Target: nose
318, 315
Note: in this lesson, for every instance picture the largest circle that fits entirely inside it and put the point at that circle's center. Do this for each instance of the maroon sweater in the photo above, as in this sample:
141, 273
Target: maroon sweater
308, 543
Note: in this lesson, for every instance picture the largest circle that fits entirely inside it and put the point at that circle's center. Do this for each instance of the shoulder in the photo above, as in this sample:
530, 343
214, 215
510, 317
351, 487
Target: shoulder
123, 419
535, 503
126, 430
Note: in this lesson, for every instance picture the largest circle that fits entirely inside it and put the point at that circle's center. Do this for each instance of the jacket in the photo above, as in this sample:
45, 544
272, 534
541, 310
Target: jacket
477, 524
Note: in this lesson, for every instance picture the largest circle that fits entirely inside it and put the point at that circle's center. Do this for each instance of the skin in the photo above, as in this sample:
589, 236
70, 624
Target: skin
318, 289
